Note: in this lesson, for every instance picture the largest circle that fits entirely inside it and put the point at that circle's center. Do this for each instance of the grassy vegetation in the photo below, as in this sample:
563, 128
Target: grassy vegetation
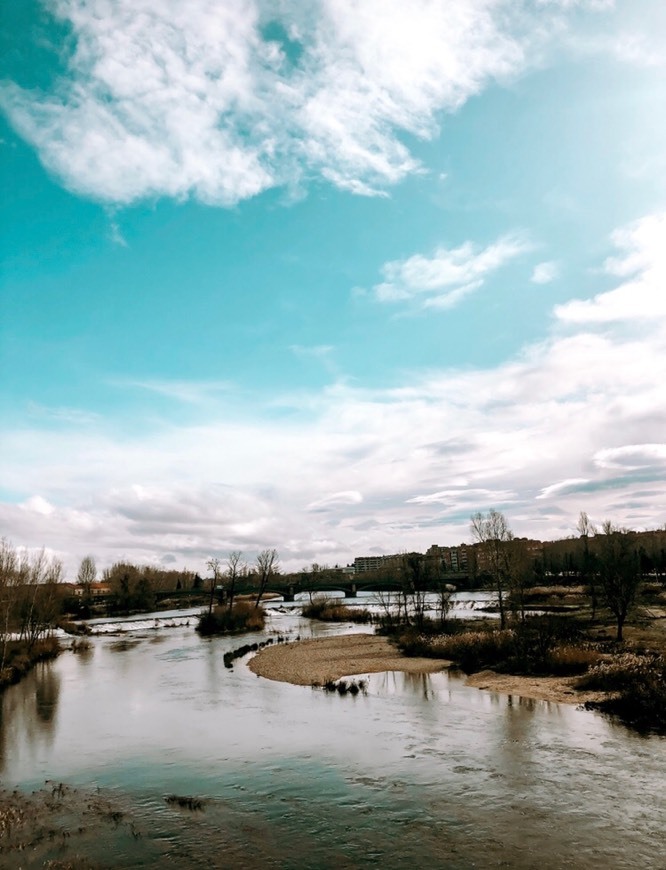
329, 610
632, 672
537, 645
637, 689
81, 645
20, 657
243, 616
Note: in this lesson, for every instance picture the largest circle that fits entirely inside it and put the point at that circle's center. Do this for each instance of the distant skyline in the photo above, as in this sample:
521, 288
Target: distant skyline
329, 277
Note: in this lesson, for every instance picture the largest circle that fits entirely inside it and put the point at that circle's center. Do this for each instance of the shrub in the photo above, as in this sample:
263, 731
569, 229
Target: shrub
639, 686
81, 644
539, 644
243, 616
568, 661
328, 610
21, 657
472, 650
344, 687
535, 639
619, 673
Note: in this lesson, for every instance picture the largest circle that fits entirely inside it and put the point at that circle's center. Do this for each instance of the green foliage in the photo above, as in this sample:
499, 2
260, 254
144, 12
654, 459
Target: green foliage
243, 616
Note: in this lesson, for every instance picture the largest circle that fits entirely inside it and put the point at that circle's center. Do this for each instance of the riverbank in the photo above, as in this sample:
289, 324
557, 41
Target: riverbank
315, 662
21, 657
560, 690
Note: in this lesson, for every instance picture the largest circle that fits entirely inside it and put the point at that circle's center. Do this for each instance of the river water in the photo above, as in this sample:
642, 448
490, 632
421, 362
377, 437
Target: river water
421, 770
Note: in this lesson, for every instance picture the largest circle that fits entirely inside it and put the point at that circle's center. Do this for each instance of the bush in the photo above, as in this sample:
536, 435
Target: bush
566, 661
328, 610
472, 650
639, 686
619, 673
243, 616
21, 657
81, 644
539, 644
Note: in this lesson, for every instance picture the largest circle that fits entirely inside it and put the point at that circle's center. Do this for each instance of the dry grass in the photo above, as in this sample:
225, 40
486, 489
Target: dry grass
329, 610
244, 616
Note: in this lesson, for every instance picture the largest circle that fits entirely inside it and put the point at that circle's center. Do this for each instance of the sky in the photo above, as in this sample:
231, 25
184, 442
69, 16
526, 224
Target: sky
329, 277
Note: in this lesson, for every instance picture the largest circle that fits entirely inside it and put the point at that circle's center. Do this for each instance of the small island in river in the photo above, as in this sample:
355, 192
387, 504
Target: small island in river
316, 662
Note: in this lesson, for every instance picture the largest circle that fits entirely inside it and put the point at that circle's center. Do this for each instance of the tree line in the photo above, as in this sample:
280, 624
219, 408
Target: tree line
30, 598
610, 562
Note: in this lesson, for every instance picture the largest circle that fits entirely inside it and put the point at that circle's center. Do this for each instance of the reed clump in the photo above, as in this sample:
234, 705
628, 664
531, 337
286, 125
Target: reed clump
537, 645
185, 802
329, 610
243, 616
80, 645
344, 687
637, 683
20, 657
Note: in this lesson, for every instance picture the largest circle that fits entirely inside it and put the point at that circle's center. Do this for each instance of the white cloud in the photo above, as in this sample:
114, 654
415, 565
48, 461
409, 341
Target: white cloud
349, 497
461, 497
571, 484
643, 296
574, 422
37, 504
162, 98
190, 392
632, 456
458, 271
116, 235
545, 273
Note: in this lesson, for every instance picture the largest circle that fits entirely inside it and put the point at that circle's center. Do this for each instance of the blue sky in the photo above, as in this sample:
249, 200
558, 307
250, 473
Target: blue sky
329, 277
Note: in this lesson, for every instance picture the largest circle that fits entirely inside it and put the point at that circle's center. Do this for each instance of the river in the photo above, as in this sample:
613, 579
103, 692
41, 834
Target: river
421, 770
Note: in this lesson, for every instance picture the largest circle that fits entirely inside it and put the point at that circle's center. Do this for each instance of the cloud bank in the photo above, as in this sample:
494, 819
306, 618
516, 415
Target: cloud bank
574, 422
220, 101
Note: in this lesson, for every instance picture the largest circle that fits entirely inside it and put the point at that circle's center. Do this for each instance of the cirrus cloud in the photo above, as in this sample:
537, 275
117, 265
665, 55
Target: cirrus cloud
220, 101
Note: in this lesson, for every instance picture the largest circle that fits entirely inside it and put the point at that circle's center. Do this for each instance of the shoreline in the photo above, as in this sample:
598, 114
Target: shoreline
315, 661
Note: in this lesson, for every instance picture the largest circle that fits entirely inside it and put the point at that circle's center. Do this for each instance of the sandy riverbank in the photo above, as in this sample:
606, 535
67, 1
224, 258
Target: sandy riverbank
553, 689
330, 658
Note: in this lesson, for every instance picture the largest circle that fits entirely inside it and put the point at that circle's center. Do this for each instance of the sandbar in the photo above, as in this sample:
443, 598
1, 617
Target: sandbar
317, 661
560, 690
314, 662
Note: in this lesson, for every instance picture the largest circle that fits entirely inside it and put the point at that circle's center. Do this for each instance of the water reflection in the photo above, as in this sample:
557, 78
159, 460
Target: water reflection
423, 769
29, 713
47, 692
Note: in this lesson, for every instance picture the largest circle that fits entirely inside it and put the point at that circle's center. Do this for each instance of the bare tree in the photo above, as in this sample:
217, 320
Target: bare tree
234, 569
492, 532
619, 573
585, 530
267, 565
86, 576
213, 565
9, 588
